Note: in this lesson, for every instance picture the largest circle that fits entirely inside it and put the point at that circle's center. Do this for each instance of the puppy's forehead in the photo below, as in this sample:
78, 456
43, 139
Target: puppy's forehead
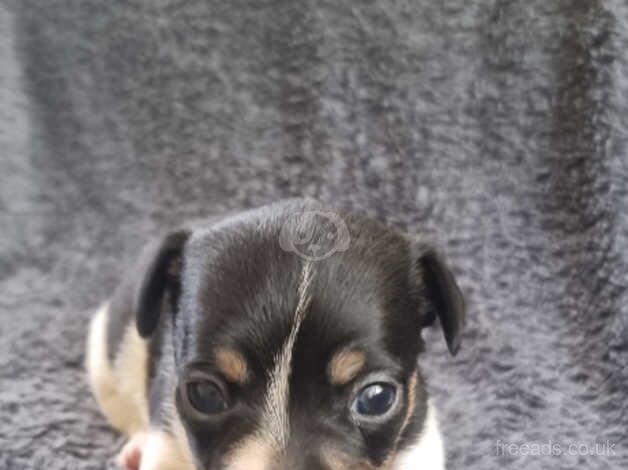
238, 277
240, 286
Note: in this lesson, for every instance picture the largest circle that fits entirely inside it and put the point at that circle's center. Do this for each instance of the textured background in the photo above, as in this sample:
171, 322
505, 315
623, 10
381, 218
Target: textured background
498, 126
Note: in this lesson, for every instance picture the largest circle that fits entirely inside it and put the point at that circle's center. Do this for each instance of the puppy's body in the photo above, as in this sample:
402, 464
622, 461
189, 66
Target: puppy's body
286, 344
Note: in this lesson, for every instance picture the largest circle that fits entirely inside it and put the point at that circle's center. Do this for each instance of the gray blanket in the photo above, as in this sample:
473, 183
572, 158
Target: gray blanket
497, 127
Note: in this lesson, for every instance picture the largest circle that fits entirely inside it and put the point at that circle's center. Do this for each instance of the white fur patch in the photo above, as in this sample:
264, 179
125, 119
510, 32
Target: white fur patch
275, 425
120, 388
428, 453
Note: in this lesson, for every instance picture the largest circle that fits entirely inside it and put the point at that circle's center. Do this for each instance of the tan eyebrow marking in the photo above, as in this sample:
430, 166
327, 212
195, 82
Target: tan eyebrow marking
232, 365
345, 366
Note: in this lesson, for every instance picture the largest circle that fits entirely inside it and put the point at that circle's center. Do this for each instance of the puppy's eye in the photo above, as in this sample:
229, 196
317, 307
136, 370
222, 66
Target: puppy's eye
375, 399
205, 397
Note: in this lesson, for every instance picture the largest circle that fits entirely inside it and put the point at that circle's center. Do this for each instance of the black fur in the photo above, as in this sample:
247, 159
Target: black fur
238, 288
445, 296
139, 297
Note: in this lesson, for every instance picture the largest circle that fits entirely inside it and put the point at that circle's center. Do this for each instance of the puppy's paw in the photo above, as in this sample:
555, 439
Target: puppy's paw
130, 457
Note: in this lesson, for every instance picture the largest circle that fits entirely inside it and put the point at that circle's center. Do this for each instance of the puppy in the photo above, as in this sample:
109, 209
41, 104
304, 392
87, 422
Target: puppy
285, 337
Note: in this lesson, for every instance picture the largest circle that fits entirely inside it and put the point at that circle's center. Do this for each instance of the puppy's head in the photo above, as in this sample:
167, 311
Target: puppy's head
283, 360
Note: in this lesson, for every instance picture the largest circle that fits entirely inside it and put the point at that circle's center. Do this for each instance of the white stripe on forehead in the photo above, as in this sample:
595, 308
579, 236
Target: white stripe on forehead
275, 423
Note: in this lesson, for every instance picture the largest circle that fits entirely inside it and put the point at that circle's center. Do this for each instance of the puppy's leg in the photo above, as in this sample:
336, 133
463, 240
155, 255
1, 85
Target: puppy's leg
164, 450
119, 384
120, 387
130, 457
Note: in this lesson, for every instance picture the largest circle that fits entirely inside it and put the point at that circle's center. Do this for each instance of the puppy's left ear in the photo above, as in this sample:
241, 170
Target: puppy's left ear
443, 295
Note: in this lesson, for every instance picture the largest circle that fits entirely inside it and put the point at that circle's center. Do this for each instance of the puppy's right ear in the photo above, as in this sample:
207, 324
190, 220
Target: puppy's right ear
161, 261
155, 275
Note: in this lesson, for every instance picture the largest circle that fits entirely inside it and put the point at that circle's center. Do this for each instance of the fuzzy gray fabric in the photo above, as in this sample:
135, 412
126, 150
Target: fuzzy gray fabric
499, 127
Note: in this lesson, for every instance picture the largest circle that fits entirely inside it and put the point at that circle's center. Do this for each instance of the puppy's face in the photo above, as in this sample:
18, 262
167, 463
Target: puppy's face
284, 361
